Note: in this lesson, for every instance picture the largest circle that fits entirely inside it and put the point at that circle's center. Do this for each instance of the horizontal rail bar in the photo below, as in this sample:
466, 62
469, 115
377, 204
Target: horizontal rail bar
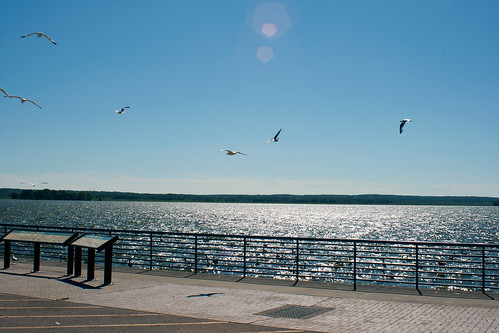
342, 240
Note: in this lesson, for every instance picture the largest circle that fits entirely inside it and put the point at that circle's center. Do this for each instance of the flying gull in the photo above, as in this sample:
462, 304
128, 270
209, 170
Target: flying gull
40, 34
33, 184
230, 152
275, 138
122, 110
402, 123
24, 100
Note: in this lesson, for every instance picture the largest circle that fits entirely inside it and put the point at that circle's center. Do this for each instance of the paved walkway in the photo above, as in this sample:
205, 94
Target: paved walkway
29, 314
248, 301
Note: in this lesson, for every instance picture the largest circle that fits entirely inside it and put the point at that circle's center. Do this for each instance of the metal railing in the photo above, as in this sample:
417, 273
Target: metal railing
394, 263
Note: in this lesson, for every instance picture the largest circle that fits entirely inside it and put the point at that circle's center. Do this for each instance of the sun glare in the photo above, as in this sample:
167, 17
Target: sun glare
265, 53
271, 20
269, 29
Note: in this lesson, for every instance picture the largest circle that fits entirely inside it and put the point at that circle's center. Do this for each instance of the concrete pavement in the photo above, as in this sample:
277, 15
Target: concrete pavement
262, 303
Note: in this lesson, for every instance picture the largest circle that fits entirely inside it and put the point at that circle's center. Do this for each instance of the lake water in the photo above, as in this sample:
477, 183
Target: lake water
414, 223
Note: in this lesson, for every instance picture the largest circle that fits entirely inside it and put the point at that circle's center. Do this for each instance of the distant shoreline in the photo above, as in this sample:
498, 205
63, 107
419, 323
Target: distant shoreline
329, 199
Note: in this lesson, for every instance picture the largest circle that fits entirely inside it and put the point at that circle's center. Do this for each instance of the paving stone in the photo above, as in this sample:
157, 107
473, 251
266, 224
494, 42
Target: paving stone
242, 302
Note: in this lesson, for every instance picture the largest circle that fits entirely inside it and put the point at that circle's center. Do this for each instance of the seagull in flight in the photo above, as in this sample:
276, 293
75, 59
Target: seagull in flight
275, 138
122, 110
402, 123
6, 94
40, 34
24, 100
33, 184
232, 152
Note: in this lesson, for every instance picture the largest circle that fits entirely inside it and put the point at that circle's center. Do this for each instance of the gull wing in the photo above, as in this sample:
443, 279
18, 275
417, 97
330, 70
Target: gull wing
28, 100
50, 39
275, 137
6, 94
402, 123
33, 33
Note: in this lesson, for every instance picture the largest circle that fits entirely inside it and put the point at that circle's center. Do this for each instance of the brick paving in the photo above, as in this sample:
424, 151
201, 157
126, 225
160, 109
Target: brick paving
240, 302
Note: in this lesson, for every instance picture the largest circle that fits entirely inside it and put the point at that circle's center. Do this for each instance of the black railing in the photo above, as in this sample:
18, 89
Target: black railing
395, 263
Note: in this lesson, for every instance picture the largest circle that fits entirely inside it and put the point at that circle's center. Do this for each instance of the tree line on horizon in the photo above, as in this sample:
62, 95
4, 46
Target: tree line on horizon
52, 195
367, 199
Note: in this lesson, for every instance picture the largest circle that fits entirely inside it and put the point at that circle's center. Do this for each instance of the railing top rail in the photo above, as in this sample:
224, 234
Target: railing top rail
257, 237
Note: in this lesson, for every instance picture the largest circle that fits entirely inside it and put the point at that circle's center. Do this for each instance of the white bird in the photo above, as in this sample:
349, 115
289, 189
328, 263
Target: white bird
34, 184
24, 100
275, 138
40, 34
232, 152
402, 123
6, 94
122, 110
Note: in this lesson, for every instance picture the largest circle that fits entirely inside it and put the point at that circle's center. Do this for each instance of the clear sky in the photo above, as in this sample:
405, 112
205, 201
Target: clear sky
200, 76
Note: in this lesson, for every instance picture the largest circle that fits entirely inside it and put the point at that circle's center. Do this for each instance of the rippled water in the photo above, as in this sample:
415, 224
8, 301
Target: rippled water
421, 223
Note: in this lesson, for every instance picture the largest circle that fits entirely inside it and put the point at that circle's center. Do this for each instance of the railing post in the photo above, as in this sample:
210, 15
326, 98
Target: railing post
417, 269
354, 266
6, 254
36, 261
483, 269
108, 264
244, 256
297, 277
195, 254
150, 251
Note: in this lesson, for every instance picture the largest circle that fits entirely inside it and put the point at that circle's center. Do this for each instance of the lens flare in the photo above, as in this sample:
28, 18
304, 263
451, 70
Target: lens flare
265, 53
271, 20
269, 29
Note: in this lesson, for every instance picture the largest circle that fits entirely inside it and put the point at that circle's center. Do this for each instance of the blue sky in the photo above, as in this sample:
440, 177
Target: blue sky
200, 76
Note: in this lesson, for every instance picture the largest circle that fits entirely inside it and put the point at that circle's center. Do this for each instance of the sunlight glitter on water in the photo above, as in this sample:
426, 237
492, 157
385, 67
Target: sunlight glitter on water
421, 223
